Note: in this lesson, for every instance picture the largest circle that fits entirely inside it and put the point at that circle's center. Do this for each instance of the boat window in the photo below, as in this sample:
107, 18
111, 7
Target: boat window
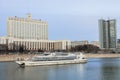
46, 54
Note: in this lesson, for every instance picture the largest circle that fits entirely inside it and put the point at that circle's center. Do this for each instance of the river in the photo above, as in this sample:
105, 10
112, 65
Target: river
94, 69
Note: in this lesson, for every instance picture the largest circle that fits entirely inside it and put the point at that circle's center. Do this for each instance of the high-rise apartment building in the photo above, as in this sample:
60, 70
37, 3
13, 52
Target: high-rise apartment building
107, 33
27, 28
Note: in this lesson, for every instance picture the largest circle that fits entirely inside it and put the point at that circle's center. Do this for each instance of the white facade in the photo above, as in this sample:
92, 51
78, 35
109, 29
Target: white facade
32, 44
2, 40
31, 35
27, 28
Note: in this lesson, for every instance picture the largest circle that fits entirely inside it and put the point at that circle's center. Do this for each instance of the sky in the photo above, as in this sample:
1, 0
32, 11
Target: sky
67, 19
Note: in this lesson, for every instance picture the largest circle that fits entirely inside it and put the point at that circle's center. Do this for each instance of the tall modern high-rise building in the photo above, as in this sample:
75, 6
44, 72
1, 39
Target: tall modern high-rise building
107, 33
27, 28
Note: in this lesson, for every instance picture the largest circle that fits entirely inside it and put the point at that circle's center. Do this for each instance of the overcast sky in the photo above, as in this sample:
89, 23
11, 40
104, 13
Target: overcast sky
67, 19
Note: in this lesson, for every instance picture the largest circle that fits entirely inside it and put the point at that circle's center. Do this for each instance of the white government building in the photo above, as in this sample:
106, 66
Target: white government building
31, 34
27, 28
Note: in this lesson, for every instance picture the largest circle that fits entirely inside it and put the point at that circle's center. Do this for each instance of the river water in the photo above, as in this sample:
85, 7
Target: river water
95, 69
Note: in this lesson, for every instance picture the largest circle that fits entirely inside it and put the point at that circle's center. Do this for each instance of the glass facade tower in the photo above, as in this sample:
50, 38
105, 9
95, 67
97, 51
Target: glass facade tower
107, 33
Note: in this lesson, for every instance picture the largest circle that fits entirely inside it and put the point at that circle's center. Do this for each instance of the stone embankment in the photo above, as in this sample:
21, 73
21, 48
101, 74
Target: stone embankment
13, 57
102, 55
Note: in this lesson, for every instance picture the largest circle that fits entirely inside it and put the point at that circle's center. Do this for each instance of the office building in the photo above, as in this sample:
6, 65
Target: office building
31, 35
2, 40
27, 28
118, 43
77, 43
32, 44
95, 43
107, 33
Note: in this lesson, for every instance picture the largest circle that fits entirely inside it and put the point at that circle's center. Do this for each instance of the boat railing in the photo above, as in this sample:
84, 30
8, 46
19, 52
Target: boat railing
20, 59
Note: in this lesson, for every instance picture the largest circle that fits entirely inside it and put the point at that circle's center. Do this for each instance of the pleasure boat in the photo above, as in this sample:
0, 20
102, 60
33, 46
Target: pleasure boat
52, 59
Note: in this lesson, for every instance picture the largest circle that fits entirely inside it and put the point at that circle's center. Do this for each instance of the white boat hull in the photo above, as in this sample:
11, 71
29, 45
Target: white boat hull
41, 63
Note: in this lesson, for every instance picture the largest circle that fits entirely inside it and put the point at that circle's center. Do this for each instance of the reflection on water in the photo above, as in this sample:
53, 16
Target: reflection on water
110, 69
95, 69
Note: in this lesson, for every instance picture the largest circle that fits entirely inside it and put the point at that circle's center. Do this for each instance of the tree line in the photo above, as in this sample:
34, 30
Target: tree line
80, 48
85, 48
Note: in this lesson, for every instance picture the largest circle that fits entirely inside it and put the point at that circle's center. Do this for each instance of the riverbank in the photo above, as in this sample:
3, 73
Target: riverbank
102, 55
13, 57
